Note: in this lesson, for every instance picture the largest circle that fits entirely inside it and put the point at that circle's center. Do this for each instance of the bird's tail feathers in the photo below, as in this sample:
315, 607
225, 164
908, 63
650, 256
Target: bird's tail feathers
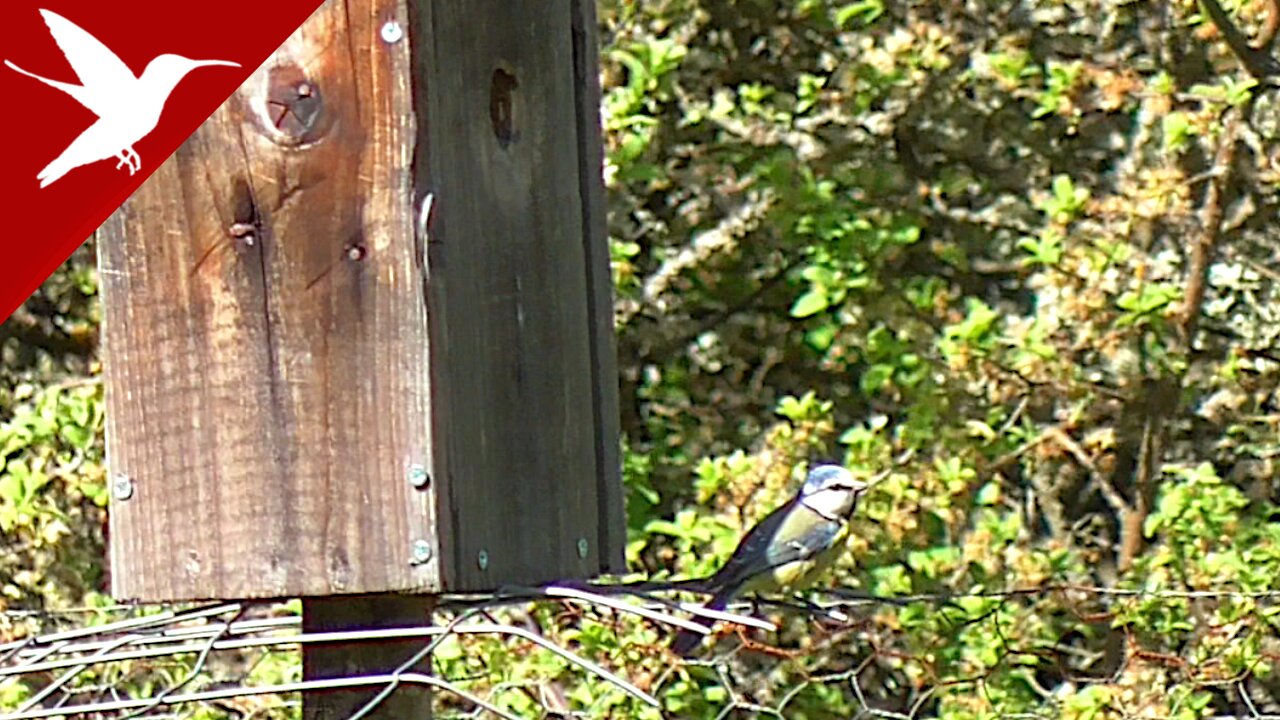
687, 640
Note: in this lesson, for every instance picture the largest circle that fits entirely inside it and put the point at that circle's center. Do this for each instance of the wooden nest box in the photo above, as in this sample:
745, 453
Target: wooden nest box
359, 327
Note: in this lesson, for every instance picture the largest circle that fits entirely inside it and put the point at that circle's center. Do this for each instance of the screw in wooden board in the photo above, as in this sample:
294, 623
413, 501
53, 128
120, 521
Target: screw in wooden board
583, 547
419, 477
243, 233
356, 253
482, 559
121, 487
421, 552
392, 32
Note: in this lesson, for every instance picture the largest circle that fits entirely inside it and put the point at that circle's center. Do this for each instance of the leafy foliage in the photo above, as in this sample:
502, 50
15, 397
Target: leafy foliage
966, 236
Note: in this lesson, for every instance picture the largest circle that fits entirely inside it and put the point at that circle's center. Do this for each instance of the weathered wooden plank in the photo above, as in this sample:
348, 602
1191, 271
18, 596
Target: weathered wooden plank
612, 535
525, 457
266, 354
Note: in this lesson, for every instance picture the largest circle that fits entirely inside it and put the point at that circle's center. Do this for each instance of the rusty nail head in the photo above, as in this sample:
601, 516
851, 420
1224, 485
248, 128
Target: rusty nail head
418, 476
122, 487
421, 552
482, 559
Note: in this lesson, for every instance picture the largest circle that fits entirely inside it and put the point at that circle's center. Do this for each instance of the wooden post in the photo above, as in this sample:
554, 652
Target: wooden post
358, 329
353, 659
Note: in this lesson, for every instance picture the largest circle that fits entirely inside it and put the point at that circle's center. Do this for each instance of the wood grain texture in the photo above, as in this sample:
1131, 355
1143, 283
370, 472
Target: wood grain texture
519, 295
284, 340
265, 336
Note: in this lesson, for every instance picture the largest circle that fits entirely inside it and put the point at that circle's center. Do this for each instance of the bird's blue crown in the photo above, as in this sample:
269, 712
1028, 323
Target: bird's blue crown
823, 476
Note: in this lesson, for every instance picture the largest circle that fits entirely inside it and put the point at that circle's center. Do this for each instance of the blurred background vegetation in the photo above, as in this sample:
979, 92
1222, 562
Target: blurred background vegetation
1023, 253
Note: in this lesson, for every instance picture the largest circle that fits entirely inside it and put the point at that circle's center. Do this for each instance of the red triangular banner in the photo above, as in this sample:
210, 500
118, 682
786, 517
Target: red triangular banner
97, 96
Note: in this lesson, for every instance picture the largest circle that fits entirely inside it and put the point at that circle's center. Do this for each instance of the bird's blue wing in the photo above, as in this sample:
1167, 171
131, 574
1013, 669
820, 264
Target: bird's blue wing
789, 534
802, 535
104, 75
781, 548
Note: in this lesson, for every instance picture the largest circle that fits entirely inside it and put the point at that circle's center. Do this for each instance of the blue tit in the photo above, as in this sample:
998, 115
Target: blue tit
790, 547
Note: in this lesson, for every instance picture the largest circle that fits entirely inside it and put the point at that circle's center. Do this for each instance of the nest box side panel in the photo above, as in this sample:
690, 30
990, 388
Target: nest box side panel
611, 519
266, 340
520, 318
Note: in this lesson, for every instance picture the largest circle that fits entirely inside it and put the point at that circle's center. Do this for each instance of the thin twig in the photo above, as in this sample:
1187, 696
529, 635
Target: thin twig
1256, 60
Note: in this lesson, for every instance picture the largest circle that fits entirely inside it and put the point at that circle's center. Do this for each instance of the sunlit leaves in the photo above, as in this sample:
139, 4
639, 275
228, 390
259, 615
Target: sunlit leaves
1065, 201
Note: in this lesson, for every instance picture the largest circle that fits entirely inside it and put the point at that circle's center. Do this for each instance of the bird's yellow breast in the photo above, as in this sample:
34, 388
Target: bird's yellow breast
797, 575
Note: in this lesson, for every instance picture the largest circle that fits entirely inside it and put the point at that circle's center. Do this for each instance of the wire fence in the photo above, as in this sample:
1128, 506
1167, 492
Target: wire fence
167, 662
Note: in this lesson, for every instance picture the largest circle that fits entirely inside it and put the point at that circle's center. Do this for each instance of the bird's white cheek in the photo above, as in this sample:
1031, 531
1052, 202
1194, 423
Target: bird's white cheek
831, 503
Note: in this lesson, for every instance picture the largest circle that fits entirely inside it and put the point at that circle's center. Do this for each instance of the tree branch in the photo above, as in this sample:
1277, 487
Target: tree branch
1204, 244
1257, 60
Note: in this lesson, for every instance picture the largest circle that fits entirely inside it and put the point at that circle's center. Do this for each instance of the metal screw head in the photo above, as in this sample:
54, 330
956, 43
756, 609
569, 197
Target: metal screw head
482, 559
583, 547
392, 32
421, 552
418, 476
121, 487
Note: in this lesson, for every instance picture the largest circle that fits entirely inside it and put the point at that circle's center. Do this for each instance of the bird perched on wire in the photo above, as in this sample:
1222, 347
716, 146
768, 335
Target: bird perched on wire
789, 548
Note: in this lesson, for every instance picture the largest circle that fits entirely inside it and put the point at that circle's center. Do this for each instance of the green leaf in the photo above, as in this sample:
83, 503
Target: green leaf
875, 377
865, 12
811, 303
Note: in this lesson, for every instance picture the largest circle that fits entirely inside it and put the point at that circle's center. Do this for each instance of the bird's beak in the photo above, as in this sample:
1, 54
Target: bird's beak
876, 479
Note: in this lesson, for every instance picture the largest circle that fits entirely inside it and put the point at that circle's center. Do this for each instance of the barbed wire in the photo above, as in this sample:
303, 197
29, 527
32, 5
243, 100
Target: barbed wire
54, 665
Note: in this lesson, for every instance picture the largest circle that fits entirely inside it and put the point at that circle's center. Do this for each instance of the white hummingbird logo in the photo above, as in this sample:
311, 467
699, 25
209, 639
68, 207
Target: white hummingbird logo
128, 107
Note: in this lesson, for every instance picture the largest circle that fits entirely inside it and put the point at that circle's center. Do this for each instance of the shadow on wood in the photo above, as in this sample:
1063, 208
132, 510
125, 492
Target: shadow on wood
365, 612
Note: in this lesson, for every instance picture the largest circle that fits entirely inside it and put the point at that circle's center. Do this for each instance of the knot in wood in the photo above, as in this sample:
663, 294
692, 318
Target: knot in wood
294, 106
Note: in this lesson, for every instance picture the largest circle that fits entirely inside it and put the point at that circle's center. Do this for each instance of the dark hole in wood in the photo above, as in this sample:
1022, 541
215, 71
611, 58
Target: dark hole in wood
357, 252
246, 223
502, 106
244, 206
